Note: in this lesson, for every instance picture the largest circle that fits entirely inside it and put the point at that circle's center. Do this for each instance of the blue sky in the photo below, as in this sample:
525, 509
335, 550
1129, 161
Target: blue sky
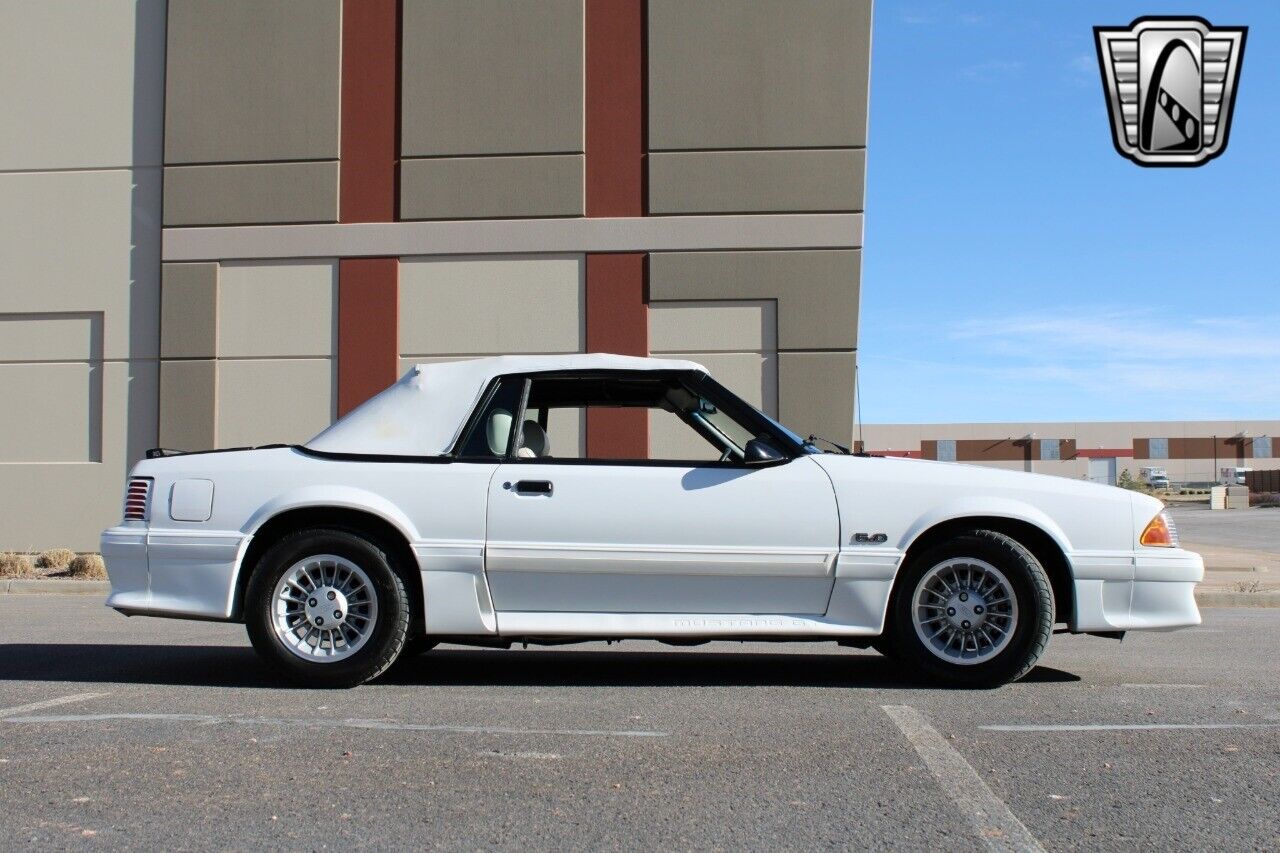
1017, 268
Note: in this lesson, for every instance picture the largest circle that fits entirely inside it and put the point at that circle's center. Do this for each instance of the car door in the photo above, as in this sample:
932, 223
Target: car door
641, 536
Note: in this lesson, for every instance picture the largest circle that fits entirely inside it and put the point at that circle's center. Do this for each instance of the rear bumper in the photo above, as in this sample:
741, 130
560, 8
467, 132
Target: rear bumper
173, 573
1155, 591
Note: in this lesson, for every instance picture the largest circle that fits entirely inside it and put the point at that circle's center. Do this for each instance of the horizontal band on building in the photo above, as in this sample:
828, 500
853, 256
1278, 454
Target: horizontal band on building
516, 236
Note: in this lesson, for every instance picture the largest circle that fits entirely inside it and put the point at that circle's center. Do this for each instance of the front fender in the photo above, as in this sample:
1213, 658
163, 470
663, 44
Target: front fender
977, 507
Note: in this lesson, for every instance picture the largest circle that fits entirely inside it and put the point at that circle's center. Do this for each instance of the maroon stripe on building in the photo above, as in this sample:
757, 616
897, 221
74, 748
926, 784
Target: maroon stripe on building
615, 107
368, 288
617, 316
368, 345
617, 321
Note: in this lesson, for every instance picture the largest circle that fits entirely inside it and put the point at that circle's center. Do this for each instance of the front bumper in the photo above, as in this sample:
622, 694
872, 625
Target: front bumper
1154, 589
175, 573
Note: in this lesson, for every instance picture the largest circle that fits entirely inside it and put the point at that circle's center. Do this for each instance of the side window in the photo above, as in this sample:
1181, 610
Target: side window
1158, 448
683, 423
491, 432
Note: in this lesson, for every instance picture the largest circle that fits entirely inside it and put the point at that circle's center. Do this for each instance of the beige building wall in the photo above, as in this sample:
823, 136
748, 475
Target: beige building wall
491, 109
249, 352
82, 100
466, 307
737, 340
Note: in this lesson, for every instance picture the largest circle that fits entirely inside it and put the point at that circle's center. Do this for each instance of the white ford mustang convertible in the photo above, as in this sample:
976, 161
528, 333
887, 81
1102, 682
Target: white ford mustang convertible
459, 506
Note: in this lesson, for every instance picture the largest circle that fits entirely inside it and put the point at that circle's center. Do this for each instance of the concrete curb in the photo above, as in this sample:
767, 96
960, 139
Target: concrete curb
53, 586
1228, 598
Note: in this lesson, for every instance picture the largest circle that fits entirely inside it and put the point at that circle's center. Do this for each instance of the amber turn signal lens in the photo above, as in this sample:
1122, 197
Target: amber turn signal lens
1158, 534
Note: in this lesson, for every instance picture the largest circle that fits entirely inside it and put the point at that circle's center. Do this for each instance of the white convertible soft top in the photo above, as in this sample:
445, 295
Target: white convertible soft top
422, 414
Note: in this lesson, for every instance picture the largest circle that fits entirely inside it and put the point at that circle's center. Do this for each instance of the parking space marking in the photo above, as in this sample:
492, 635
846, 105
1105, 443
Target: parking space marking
377, 725
1176, 686
1126, 727
998, 828
50, 703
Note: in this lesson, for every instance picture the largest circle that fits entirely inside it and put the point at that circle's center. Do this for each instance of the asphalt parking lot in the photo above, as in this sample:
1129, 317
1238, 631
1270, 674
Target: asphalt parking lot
1255, 529
145, 733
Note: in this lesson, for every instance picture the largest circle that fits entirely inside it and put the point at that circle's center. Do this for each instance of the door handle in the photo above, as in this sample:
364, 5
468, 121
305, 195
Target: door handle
534, 487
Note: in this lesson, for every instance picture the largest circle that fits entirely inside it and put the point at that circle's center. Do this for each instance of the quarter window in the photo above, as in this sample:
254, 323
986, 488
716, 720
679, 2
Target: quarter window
1262, 447
1158, 448
946, 450
1050, 449
490, 433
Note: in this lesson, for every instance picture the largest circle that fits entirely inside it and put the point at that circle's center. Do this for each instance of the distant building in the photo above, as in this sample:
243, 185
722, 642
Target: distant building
1190, 451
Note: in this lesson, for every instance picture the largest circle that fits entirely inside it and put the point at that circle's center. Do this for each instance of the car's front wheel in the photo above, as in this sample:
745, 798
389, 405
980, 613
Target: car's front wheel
976, 611
326, 609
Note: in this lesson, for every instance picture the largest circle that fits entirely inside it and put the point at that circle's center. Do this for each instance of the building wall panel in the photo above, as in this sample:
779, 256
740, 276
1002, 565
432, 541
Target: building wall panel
795, 181
249, 81
72, 74
817, 291
492, 305
758, 73
491, 187
491, 77
53, 412
88, 495
85, 241
815, 393
278, 400
251, 193
188, 400
280, 309
189, 311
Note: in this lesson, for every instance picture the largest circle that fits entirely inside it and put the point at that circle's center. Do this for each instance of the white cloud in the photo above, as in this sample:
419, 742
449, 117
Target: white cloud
993, 69
1093, 364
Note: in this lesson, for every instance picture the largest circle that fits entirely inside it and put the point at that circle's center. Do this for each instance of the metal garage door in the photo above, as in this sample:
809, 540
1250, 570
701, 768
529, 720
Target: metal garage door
1103, 470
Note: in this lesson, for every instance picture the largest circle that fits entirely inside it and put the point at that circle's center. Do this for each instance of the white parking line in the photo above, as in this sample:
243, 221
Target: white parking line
997, 827
1127, 727
379, 725
1175, 686
51, 703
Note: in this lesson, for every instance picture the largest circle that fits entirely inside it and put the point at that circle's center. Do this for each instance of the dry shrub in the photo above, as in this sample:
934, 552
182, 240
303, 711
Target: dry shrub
55, 558
88, 567
15, 565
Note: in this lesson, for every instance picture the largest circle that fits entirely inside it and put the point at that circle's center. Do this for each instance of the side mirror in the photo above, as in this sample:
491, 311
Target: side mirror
760, 452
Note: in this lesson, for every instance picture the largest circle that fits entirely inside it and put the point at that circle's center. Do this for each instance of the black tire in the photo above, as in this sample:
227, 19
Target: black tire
418, 645
391, 624
1031, 630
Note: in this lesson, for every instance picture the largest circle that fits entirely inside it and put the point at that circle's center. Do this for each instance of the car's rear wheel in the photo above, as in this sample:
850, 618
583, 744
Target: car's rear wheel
326, 609
976, 611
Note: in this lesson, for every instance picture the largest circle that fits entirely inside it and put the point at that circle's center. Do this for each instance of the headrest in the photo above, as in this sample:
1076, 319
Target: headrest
498, 431
537, 443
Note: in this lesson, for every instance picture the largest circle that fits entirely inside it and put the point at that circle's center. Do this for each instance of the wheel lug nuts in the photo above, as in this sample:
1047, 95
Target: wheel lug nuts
319, 620
313, 602
964, 624
951, 611
978, 610
331, 595
964, 596
337, 614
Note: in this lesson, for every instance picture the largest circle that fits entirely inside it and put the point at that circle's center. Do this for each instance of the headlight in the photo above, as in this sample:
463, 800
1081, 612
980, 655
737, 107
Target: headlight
1160, 532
